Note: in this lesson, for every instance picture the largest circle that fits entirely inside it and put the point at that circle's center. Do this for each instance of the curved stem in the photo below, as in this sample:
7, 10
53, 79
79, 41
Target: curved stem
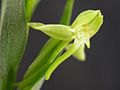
62, 58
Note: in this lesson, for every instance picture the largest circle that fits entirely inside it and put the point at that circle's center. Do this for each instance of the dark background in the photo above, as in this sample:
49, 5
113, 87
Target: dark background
101, 71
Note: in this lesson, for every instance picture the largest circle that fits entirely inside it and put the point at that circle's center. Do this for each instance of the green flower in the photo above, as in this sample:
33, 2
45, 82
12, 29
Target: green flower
85, 26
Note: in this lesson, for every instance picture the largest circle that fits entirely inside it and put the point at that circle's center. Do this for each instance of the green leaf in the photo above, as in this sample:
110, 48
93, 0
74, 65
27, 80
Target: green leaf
13, 36
57, 31
66, 17
30, 7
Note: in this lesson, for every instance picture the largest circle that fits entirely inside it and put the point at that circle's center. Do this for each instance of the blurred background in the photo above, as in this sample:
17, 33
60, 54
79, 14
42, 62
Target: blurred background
101, 71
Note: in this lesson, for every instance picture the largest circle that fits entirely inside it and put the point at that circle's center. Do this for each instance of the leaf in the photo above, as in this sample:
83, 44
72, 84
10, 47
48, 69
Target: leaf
13, 36
57, 31
66, 17
30, 7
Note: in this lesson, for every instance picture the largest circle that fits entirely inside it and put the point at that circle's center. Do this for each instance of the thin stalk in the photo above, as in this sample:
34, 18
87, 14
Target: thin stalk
60, 59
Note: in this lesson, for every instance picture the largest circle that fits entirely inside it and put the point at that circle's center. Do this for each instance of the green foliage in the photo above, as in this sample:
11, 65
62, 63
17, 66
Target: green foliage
30, 6
13, 36
66, 17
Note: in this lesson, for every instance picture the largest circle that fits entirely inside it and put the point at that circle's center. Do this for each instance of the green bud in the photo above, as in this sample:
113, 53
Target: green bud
57, 31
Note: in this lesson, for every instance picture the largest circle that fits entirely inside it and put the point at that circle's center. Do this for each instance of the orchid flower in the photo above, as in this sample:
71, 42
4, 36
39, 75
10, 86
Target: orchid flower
85, 26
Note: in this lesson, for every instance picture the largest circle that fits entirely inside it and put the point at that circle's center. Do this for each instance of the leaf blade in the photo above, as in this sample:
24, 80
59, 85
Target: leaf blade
13, 37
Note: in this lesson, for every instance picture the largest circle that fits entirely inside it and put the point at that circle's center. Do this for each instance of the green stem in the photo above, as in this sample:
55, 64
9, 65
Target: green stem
40, 72
59, 60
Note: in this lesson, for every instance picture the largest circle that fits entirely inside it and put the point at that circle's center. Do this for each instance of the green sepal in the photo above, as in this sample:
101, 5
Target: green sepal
90, 28
35, 24
94, 26
57, 31
85, 18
